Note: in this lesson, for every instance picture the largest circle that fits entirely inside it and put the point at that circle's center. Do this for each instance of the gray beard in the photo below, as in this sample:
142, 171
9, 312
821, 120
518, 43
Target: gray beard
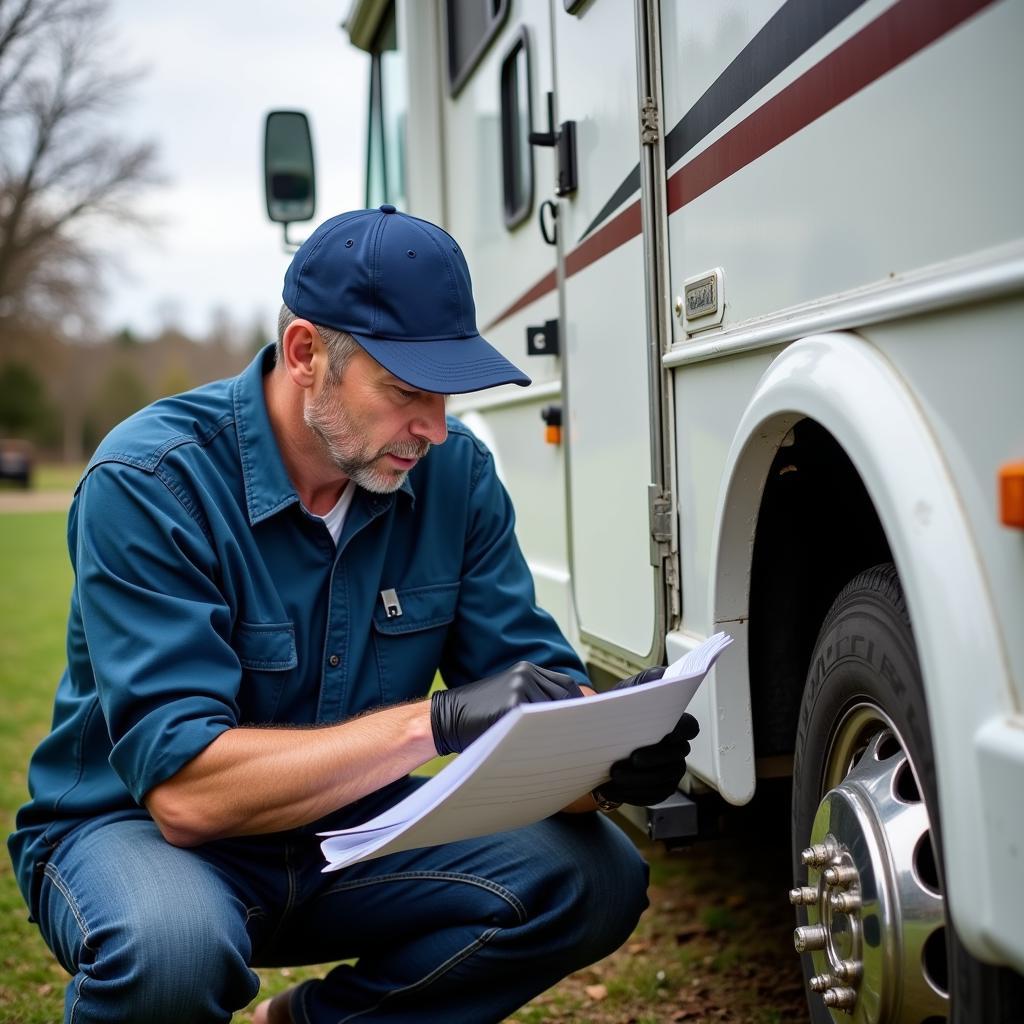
328, 420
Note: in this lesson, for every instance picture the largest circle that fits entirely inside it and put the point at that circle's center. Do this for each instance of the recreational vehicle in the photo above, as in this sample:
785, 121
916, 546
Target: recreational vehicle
764, 262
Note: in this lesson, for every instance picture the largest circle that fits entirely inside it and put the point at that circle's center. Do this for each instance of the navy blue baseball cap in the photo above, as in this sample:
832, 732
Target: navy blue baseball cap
400, 286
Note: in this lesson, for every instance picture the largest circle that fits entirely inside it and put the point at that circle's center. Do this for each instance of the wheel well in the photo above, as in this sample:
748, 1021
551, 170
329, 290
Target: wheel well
816, 529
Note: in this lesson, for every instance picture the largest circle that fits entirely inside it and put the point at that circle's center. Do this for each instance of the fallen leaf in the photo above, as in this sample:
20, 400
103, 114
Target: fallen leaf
690, 931
597, 992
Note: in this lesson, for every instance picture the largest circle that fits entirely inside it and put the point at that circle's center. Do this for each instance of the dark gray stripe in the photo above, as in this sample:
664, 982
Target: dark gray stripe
790, 32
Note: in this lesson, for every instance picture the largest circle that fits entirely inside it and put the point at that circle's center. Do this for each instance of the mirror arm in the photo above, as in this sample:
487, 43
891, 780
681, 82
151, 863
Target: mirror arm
290, 245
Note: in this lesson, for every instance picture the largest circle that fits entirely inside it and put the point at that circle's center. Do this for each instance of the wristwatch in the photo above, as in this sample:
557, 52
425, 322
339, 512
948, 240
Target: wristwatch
603, 803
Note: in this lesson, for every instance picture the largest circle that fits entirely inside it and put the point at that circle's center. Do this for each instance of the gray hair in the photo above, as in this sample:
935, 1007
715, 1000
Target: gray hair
341, 346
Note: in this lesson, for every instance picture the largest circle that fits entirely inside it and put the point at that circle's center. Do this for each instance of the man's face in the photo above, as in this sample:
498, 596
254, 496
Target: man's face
373, 426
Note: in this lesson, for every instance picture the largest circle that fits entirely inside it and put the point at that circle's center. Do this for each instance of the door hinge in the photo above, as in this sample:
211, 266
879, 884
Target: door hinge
660, 504
672, 589
649, 123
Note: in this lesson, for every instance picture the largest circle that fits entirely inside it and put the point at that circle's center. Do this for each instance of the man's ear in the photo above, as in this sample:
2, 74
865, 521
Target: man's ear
305, 356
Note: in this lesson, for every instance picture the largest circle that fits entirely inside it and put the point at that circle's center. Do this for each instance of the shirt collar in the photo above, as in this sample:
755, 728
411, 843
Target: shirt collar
268, 488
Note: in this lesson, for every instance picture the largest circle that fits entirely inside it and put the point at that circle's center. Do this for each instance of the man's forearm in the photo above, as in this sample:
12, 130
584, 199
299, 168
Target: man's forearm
253, 780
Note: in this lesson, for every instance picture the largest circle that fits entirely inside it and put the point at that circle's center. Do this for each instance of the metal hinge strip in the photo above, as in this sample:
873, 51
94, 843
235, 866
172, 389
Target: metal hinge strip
650, 127
660, 505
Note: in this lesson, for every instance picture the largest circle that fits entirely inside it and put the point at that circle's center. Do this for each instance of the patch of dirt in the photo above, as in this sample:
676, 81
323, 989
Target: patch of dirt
715, 946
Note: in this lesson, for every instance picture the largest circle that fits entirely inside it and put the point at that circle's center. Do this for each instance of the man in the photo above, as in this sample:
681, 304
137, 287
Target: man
268, 572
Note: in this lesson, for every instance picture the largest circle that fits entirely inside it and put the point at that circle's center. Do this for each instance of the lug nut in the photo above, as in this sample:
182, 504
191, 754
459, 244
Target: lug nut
809, 937
820, 982
803, 896
840, 875
818, 855
848, 970
841, 998
845, 902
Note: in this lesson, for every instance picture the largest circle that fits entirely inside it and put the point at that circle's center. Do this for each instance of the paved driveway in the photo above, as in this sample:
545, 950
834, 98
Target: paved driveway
34, 501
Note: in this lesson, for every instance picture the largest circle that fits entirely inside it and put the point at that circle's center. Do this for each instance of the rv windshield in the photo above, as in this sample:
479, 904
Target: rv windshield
385, 151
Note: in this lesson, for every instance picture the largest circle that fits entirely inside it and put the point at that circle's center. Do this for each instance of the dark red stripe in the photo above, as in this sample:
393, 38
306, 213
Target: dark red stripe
888, 41
621, 228
542, 287
894, 36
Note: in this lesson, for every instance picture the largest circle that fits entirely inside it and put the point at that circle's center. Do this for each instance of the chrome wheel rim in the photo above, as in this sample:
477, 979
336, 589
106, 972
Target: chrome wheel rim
875, 910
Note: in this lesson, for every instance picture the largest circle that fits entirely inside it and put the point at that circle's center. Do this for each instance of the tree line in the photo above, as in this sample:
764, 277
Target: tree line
66, 177
64, 396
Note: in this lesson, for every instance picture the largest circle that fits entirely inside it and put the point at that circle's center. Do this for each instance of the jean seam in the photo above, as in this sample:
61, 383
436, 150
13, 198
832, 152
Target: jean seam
437, 876
57, 880
79, 984
453, 961
61, 886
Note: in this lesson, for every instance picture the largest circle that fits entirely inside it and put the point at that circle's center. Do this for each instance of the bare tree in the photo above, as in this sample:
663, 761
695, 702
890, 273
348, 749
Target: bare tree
63, 172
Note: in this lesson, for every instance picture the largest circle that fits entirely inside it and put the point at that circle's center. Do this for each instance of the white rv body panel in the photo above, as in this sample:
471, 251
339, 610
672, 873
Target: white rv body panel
505, 264
604, 322
872, 259
610, 464
878, 185
813, 221
832, 379
710, 399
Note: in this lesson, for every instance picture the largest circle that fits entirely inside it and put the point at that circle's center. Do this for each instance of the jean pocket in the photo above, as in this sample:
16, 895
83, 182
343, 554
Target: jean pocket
409, 644
268, 656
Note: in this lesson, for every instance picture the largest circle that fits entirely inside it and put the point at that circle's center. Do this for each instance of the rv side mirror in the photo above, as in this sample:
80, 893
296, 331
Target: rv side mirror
288, 167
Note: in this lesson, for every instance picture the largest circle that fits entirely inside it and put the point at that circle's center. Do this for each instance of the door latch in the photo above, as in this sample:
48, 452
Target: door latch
564, 142
542, 340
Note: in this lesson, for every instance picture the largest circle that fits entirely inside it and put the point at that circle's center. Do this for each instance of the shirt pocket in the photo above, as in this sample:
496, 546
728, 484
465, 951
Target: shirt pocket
267, 653
409, 645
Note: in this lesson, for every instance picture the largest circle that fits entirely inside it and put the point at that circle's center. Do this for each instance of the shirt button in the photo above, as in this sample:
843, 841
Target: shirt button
334, 661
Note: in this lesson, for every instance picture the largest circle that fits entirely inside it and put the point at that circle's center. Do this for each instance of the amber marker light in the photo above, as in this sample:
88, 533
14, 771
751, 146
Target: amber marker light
1011, 494
552, 417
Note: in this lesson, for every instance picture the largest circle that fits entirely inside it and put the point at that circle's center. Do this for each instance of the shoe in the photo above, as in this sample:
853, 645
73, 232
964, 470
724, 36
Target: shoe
274, 1011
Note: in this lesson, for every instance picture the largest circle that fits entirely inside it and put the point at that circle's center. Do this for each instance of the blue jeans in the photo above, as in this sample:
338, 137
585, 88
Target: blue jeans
466, 932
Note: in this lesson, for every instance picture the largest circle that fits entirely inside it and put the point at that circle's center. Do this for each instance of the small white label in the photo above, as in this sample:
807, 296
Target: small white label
392, 607
703, 301
702, 297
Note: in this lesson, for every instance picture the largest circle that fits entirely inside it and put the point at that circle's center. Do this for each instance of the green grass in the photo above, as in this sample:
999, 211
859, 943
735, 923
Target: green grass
718, 919
57, 476
34, 586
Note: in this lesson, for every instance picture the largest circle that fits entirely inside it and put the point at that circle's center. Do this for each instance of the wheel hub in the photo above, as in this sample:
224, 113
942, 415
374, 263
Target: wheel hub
875, 914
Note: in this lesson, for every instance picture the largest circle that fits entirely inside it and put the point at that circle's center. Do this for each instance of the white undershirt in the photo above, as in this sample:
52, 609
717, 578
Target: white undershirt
335, 519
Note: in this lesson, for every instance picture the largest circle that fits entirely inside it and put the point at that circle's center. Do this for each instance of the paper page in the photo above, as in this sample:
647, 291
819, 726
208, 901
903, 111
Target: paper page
534, 761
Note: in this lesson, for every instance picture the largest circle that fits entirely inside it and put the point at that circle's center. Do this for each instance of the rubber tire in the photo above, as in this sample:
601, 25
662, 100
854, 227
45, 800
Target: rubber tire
872, 606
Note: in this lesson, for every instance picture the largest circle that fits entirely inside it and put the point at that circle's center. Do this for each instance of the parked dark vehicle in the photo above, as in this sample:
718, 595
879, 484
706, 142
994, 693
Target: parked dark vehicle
16, 459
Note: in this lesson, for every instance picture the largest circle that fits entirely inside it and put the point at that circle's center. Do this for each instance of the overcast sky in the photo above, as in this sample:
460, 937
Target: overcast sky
213, 70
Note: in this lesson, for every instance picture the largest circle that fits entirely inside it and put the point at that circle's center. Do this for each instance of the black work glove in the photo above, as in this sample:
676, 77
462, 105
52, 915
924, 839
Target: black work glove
648, 675
651, 774
458, 716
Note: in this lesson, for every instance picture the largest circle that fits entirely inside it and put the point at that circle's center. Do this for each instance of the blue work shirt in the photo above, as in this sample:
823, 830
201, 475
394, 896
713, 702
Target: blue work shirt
207, 597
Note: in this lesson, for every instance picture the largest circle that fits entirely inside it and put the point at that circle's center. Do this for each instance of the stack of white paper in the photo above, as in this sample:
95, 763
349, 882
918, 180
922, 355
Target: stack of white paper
529, 764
